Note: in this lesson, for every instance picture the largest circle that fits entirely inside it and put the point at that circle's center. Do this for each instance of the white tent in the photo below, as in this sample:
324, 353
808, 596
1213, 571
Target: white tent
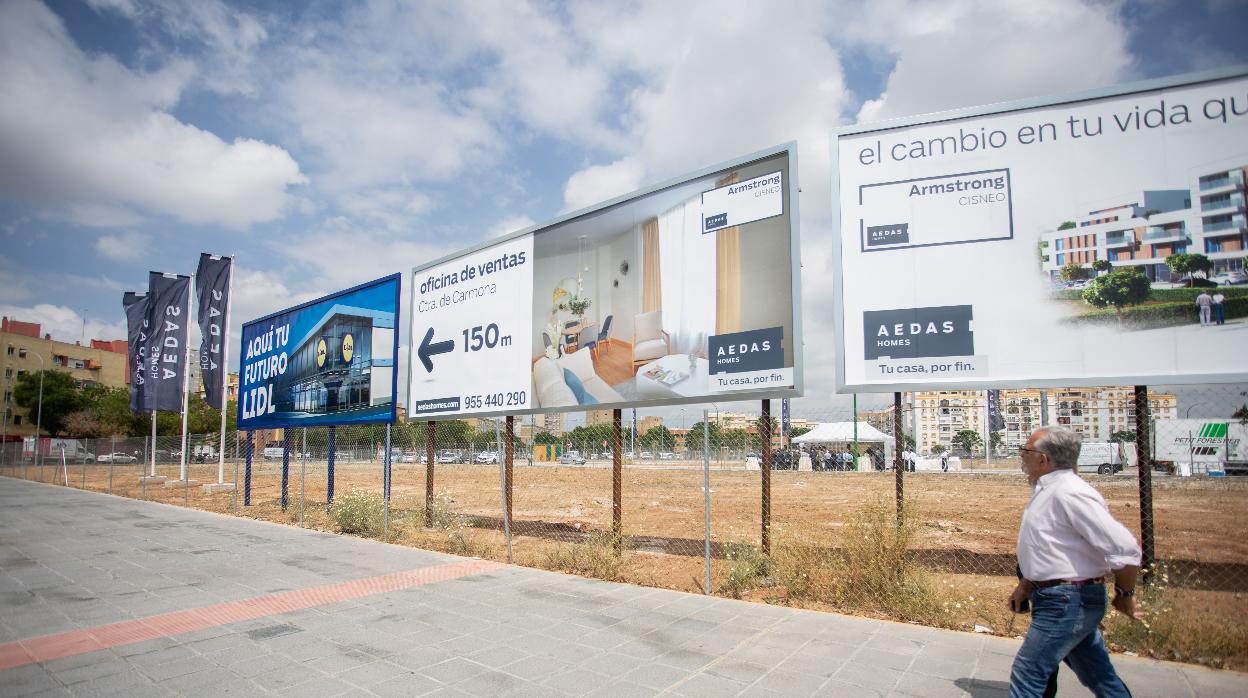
843, 433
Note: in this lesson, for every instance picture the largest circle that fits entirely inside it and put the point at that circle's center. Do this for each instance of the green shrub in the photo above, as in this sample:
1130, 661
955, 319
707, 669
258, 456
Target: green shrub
749, 569
359, 512
1158, 315
596, 557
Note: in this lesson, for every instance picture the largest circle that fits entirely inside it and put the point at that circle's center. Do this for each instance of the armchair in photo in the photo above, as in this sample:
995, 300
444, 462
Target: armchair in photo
650, 340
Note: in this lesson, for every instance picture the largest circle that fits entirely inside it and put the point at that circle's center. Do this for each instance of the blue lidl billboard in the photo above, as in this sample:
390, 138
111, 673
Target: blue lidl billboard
328, 361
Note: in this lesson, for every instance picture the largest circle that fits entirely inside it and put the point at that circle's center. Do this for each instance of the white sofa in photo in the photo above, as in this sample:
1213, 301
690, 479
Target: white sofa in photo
551, 387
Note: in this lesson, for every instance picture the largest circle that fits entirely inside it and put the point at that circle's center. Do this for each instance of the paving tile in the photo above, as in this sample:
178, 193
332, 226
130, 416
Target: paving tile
576, 681
453, 670
699, 685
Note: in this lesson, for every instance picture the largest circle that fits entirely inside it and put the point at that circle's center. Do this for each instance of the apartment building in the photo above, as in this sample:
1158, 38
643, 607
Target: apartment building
24, 348
1208, 218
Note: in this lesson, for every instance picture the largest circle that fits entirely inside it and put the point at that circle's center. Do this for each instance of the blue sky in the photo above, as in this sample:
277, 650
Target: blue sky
326, 144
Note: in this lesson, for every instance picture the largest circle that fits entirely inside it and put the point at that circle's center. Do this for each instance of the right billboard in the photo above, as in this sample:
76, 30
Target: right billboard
1089, 239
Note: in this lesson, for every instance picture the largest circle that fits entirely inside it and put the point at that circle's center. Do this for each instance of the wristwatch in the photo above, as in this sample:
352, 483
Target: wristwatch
1119, 591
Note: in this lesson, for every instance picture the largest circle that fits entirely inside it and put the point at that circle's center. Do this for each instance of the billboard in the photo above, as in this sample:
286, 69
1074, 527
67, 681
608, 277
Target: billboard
1044, 243
683, 292
328, 361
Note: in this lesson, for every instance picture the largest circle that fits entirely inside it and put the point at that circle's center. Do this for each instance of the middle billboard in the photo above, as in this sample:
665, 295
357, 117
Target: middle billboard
680, 293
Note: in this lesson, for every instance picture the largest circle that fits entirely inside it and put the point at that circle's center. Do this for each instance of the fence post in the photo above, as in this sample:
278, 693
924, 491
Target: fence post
303, 470
617, 479
899, 463
251, 449
706, 492
285, 467
385, 490
234, 492
113, 444
332, 445
509, 471
764, 434
1145, 466
431, 434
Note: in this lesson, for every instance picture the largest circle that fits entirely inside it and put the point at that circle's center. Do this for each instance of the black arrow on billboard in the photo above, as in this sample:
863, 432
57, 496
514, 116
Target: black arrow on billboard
429, 348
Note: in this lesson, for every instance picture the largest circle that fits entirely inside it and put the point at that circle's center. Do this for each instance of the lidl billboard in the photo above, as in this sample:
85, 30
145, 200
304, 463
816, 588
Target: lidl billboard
683, 292
328, 361
1047, 242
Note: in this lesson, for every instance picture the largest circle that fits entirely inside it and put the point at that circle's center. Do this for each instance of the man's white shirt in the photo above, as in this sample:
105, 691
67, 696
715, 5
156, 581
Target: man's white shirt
1068, 532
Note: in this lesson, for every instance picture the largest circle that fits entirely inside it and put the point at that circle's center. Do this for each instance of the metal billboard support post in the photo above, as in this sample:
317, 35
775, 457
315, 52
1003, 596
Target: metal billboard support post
332, 439
764, 434
706, 492
430, 443
617, 480
251, 449
510, 473
899, 462
385, 490
504, 478
303, 470
285, 467
1145, 467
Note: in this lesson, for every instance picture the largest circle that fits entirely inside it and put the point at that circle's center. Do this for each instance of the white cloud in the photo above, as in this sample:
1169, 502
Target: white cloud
957, 54
79, 129
509, 224
128, 246
601, 182
66, 324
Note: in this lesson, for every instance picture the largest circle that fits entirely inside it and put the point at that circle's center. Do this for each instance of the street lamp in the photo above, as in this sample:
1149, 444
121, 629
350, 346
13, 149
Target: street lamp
1188, 413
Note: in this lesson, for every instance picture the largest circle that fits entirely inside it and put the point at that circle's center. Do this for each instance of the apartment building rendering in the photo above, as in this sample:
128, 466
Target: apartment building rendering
1096, 413
24, 348
1208, 218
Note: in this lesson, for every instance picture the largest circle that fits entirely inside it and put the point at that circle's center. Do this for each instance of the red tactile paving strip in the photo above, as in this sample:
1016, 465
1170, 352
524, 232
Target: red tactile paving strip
48, 647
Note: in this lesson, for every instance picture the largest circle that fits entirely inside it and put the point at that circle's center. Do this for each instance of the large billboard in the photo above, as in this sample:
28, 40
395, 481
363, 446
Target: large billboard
683, 292
1047, 242
328, 361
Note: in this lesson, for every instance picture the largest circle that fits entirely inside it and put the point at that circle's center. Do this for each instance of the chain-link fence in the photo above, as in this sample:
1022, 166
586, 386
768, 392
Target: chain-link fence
688, 503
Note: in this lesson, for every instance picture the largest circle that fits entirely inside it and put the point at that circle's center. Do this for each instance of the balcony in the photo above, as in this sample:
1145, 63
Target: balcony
1155, 233
1220, 203
1235, 225
1234, 178
1119, 239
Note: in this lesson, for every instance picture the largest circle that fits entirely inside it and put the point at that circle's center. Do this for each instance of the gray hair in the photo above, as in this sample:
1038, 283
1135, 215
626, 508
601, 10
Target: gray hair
1061, 445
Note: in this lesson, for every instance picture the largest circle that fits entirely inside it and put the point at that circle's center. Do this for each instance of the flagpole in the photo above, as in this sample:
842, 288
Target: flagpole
153, 473
186, 375
225, 369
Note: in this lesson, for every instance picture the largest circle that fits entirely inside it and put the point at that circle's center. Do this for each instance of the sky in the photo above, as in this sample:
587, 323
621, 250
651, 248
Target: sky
326, 144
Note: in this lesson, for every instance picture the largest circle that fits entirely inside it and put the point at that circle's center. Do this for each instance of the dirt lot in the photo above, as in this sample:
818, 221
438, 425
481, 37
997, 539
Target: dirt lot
966, 533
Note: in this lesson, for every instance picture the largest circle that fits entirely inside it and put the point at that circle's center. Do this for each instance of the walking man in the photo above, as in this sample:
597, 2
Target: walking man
1068, 544
1204, 304
1219, 308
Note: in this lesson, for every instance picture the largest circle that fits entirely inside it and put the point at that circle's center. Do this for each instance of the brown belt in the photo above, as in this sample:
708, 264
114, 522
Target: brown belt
1072, 582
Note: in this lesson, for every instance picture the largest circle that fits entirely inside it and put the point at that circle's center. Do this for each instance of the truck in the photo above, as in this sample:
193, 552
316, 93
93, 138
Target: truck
50, 449
1102, 457
1201, 445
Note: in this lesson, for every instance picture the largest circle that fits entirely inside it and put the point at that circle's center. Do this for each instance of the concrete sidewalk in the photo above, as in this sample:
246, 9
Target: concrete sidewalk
143, 599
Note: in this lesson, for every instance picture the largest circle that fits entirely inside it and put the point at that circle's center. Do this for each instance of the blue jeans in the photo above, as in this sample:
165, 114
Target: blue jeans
1065, 622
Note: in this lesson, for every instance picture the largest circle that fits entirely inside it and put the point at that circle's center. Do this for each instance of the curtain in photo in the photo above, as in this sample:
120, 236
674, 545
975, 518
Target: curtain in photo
688, 277
728, 273
651, 280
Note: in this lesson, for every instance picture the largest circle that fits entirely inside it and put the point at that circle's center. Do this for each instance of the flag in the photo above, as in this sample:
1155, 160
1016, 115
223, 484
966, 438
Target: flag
135, 305
212, 288
784, 417
995, 421
169, 297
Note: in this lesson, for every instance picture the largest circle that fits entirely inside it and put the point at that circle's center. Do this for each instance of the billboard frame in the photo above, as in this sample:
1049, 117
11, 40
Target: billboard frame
996, 109
397, 277
788, 148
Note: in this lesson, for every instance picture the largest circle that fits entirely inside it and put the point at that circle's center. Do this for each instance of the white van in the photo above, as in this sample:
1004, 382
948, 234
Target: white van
1102, 457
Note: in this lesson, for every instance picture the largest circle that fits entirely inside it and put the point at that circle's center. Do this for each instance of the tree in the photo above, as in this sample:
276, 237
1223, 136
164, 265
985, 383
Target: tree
1074, 272
659, 437
1188, 263
1118, 290
995, 440
545, 438
1066, 225
1103, 265
694, 440
798, 431
968, 440
61, 397
907, 442
939, 449
1124, 436
1241, 414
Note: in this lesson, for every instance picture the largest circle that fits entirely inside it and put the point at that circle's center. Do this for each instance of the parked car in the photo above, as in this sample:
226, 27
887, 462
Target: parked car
272, 450
1228, 278
572, 457
646, 455
116, 458
667, 455
486, 457
450, 457
406, 457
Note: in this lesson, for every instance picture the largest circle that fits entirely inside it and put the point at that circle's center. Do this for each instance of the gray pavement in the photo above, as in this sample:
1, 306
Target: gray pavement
73, 560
